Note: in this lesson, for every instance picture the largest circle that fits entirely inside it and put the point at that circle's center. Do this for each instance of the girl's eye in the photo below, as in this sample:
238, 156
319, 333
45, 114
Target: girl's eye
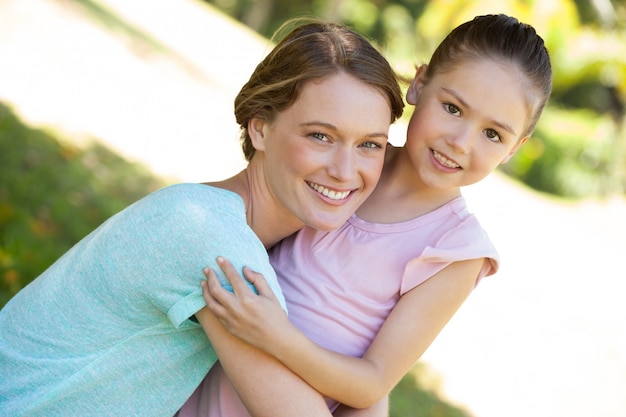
452, 109
492, 135
320, 136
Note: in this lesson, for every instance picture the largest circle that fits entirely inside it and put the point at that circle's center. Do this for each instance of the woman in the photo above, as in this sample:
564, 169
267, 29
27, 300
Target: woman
117, 326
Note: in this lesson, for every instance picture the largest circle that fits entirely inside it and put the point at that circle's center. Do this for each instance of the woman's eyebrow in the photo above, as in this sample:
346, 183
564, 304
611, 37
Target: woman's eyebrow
334, 128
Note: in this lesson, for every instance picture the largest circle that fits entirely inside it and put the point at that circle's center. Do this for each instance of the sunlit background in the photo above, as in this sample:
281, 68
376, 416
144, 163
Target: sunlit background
102, 101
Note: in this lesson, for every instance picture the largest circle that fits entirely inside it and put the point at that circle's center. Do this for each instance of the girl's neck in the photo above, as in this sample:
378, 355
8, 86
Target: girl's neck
269, 220
400, 194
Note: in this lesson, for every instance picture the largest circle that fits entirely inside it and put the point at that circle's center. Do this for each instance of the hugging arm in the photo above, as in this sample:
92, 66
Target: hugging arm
265, 386
415, 321
380, 409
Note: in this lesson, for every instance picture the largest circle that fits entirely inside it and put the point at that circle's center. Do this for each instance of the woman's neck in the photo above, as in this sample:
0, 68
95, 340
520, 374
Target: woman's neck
269, 220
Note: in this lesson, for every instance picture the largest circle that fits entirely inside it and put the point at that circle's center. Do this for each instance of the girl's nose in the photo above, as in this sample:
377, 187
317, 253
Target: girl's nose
460, 141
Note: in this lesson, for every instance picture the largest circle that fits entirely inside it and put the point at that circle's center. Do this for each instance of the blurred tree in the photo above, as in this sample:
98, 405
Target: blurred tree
580, 144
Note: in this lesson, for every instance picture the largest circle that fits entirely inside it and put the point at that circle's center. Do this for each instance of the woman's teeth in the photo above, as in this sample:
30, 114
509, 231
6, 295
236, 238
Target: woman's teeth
333, 195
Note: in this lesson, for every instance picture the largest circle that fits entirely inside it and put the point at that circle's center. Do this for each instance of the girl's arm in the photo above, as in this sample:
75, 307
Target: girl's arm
266, 387
380, 409
412, 325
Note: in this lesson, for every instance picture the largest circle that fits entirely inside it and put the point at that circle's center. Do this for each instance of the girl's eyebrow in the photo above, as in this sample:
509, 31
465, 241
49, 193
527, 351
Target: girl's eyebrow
456, 95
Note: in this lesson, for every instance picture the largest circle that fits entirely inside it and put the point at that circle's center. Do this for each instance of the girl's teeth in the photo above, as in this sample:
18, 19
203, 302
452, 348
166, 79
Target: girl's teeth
333, 195
445, 161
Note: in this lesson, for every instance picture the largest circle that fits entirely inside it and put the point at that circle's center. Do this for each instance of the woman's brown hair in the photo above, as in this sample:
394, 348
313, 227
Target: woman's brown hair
311, 51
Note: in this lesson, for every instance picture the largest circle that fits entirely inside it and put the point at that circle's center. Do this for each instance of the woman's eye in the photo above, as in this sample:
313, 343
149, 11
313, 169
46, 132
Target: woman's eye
452, 109
320, 136
493, 135
372, 145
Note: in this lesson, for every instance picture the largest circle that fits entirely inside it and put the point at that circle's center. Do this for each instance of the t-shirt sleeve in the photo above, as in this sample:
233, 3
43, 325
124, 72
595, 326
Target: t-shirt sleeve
163, 243
203, 231
466, 241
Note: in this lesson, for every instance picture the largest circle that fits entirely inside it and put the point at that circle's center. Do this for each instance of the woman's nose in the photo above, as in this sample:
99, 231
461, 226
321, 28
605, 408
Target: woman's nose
342, 164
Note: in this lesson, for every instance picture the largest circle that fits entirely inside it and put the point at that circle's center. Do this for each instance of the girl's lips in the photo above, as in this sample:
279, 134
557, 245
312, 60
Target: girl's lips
445, 161
327, 192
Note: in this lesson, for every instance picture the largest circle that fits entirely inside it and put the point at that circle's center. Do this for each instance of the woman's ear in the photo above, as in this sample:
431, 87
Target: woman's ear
257, 132
416, 85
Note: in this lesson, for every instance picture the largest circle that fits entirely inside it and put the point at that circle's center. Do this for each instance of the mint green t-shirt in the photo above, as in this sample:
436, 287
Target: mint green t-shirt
106, 330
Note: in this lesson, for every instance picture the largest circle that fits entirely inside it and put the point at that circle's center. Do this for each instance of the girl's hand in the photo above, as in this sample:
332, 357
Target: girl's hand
259, 319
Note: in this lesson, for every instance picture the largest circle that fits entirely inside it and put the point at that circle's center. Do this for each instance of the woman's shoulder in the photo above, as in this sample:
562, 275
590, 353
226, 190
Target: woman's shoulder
195, 192
187, 204
187, 196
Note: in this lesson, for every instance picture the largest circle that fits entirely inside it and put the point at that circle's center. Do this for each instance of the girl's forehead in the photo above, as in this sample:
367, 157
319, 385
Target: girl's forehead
489, 73
491, 64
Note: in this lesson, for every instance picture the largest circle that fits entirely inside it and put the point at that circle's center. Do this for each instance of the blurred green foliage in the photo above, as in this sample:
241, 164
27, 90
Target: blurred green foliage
53, 193
579, 147
412, 398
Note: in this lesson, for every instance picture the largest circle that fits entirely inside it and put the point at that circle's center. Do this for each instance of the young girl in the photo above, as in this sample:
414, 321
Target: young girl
366, 301
118, 325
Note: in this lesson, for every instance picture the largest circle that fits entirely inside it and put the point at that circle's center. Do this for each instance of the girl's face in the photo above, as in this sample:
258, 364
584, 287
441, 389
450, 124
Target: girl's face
324, 154
466, 122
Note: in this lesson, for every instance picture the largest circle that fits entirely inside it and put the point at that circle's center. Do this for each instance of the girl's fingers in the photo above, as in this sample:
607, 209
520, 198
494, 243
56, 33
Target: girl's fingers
240, 284
259, 282
232, 275
212, 304
212, 289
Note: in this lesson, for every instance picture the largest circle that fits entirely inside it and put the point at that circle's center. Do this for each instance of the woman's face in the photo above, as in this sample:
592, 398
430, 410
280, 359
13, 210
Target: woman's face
324, 154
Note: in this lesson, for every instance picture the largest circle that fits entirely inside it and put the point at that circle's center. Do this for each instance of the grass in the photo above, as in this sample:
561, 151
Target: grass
52, 193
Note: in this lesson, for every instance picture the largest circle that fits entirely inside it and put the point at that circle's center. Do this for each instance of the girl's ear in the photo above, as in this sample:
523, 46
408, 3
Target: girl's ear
416, 85
257, 132
514, 150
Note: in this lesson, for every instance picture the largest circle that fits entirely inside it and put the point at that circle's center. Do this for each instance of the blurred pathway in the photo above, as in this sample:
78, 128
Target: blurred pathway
62, 69
545, 337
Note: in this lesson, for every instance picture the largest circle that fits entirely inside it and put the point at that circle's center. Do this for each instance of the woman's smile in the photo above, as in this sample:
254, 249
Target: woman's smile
327, 192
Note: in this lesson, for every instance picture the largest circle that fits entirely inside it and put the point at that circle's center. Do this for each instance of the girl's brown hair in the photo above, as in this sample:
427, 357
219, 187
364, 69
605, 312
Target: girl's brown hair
500, 37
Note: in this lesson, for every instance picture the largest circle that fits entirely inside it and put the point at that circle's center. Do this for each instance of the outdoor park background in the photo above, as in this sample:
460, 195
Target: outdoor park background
104, 101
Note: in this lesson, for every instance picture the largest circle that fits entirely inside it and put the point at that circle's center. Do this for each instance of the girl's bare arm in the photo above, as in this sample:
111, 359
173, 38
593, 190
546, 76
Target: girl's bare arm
380, 409
266, 386
357, 382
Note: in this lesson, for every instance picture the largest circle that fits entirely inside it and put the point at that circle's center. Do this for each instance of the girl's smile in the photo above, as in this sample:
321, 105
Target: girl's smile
444, 161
